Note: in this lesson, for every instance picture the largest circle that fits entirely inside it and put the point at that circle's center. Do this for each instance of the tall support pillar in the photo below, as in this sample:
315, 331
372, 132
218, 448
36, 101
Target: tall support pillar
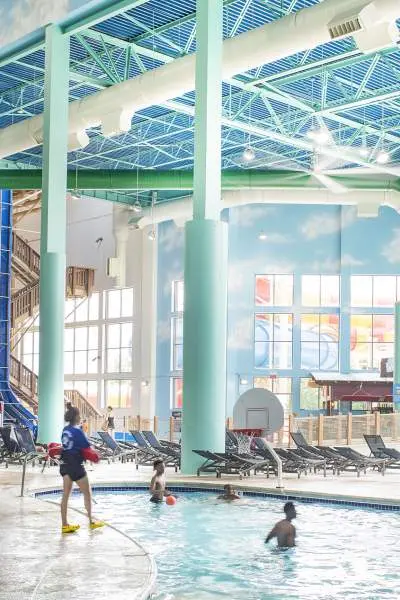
206, 257
396, 374
53, 236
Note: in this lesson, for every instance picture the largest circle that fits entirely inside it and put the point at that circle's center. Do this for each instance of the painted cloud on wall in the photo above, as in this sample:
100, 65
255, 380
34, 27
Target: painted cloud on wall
392, 250
327, 223
171, 238
20, 17
249, 215
241, 335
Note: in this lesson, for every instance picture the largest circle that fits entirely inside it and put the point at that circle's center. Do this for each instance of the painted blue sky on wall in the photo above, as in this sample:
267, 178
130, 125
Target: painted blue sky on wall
20, 17
300, 239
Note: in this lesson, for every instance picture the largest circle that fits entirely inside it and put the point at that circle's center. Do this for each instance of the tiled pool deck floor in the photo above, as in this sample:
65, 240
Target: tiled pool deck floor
38, 563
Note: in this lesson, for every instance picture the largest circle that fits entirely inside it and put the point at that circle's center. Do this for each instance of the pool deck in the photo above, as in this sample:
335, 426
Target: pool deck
105, 563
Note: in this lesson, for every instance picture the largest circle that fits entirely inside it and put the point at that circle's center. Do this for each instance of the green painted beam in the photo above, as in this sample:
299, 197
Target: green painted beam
149, 179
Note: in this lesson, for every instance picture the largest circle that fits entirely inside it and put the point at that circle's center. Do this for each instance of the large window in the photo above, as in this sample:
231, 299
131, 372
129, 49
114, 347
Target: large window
81, 345
372, 338
88, 389
273, 341
280, 386
30, 350
311, 395
82, 309
320, 342
119, 303
98, 344
320, 290
176, 392
118, 393
177, 344
378, 291
177, 296
119, 347
274, 290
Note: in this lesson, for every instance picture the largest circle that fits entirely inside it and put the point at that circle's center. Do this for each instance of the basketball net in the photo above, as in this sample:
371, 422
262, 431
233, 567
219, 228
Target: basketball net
244, 444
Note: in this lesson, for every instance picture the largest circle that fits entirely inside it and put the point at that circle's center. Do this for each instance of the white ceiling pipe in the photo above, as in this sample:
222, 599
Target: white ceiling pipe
294, 33
181, 210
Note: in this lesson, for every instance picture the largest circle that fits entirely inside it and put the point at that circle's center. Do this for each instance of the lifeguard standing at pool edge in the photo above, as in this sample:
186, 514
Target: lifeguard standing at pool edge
73, 441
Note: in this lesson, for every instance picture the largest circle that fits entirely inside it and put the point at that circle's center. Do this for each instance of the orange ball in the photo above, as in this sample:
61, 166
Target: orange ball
170, 500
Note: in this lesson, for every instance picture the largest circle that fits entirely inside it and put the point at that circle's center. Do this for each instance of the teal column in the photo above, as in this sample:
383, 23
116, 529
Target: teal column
206, 257
396, 373
53, 236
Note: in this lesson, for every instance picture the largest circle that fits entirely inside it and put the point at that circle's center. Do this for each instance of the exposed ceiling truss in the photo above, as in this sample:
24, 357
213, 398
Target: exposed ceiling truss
356, 97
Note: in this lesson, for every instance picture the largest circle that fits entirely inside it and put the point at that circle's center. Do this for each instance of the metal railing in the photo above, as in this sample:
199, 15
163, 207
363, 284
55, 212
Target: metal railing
80, 282
86, 409
23, 378
24, 303
27, 255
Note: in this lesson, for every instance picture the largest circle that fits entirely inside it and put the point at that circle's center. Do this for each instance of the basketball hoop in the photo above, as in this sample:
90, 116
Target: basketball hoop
244, 443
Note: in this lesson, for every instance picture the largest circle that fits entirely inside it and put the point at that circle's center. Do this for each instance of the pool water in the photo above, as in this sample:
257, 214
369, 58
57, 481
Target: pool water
206, 549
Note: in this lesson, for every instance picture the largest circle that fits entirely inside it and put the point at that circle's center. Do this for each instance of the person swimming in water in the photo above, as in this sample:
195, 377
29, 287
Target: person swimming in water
157, 484
229, 494
284, 531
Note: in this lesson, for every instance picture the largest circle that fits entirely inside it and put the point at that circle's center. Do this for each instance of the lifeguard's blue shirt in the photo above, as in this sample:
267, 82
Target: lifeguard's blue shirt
73, 440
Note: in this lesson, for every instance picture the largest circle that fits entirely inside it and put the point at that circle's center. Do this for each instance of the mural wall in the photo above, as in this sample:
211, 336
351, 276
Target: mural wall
311, 288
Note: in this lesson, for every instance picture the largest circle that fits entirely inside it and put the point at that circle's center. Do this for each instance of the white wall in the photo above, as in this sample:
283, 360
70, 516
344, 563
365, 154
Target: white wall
89, 219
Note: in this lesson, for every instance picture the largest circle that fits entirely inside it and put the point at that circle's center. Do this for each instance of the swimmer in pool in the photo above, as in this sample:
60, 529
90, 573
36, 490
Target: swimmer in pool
284, 531
229, 494
157, 484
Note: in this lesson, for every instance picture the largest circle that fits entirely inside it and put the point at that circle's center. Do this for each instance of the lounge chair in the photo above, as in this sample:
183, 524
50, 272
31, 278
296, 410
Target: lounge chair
10, 448
360, 461
147, 455
231, 441
333, 459
379, 450
213, 463
230, 464
312, 464
116, 450
172, 452
289, 464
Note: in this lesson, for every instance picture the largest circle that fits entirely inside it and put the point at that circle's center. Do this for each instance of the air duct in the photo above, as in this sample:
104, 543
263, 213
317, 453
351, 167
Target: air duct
181, 210
310, 27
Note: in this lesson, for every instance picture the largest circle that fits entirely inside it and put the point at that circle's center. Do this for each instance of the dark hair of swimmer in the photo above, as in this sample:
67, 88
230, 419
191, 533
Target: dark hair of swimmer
290, 511
72, 415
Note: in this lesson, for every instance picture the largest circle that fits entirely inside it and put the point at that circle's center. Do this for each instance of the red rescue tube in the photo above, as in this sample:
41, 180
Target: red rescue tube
90, 454
55, 451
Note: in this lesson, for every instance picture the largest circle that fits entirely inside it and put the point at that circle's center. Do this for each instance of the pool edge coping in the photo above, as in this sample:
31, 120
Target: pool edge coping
147, 591
249, 490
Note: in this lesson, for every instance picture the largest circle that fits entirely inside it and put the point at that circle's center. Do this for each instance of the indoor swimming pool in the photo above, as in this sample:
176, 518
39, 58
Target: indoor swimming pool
208, 549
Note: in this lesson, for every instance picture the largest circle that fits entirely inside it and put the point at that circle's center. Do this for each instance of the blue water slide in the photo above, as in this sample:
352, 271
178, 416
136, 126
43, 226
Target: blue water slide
13, 408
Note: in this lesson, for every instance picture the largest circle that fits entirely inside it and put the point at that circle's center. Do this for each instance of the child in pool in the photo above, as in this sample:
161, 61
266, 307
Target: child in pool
157, 485
284, 531
229, 494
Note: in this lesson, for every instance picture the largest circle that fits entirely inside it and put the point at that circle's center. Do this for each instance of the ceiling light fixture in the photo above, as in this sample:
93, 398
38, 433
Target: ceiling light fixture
262, 236
137, 207
364, 152
382, 157
243, 381
249, 154
319, 136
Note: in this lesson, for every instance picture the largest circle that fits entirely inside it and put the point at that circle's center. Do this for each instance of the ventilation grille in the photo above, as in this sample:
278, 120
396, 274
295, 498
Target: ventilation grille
344, 28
